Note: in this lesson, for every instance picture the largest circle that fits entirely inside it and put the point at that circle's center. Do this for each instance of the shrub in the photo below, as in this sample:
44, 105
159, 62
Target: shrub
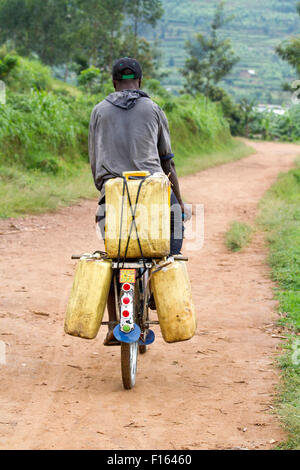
238, 236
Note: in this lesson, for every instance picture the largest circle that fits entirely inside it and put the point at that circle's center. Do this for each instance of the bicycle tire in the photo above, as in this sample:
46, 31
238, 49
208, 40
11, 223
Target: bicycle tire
129, 356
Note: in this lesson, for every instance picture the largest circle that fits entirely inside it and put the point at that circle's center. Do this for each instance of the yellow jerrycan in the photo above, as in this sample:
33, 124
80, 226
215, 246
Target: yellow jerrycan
88, 297
152, 215
173, 297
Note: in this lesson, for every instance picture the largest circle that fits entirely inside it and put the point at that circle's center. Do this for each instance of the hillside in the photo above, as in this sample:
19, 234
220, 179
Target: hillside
44, 138
255, 31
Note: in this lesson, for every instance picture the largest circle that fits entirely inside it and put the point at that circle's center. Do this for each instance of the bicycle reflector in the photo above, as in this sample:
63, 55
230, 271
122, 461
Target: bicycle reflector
126, 320
127, 287
126, 300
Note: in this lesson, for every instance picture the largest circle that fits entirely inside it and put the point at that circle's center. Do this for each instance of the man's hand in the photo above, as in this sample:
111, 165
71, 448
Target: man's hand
186, 212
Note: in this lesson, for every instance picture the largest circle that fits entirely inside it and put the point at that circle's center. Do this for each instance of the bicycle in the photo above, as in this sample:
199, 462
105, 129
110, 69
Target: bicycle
132, 330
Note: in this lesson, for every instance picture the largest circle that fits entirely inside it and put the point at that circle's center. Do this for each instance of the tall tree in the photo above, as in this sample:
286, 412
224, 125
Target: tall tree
45, 27
101, 30
210, 58
143, 12
290, 51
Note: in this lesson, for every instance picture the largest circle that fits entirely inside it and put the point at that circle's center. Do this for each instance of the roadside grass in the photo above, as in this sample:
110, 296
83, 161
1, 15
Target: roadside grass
279, 216
23, 192
201, 156
44, 140
238, 236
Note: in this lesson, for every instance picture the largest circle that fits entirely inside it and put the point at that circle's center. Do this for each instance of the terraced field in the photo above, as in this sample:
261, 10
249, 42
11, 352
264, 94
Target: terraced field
255, 31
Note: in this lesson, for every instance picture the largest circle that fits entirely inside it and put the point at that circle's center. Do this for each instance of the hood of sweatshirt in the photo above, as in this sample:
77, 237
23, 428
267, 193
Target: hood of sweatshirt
126, 99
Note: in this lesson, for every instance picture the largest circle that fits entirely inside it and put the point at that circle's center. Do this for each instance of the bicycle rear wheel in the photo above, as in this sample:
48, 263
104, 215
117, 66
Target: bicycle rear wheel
129, 356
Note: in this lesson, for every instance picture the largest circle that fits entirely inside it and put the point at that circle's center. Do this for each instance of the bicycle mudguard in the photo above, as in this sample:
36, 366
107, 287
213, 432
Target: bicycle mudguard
149, 339
131, 337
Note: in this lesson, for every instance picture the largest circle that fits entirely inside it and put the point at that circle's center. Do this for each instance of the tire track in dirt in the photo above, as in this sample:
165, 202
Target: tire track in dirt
215, 391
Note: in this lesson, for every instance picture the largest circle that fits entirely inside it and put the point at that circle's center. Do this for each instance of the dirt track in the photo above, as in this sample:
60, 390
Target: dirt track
214, 391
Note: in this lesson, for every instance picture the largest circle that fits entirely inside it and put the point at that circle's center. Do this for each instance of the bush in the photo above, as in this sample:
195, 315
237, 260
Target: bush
271, 126
35, 126
238, 236
27, 75
7, 64
90, 80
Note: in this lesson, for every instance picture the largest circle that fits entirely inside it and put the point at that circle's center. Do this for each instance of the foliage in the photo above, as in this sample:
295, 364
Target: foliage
289, 50
39, 129
7, 63
210, 58
63, 32
89, 79
238, 236
29, 74
271, 126
44, 134
142, 12
255, 31
45, 27
279, 217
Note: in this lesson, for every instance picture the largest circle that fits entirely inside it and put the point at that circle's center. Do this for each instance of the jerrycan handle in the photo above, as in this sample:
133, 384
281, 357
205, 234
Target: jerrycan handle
135, 174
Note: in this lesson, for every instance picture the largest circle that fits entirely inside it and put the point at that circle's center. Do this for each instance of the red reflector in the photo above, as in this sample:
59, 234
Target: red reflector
126, 313
126, 300
126, 287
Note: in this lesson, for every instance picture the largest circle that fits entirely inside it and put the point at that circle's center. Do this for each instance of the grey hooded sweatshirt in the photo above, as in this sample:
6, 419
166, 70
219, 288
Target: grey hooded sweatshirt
128, 132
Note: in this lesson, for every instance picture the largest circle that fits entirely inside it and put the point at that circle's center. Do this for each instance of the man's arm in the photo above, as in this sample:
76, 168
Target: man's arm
169, 169
166, 157
92, 146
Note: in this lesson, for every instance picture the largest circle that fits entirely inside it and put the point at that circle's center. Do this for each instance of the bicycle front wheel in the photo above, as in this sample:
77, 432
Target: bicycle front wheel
129, 356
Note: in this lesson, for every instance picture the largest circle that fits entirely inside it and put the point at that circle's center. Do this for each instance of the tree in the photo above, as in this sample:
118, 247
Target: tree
100, 31
210, 58
7, 63
44, 27
143, 12
248, 114
80, 33
289, 51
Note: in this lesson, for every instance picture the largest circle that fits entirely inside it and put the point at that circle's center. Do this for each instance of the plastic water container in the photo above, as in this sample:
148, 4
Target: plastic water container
173, 297
152, 216
88, 298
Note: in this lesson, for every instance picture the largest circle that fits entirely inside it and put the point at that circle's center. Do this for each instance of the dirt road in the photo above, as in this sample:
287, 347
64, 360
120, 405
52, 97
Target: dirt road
215, 391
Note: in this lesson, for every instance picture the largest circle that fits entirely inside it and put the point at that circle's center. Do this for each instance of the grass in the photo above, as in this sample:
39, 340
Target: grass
44, 142
280, 218
238, 236
23, 192
210, 156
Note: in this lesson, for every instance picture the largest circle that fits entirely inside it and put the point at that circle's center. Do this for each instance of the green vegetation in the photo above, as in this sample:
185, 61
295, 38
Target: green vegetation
44, 133
210, 57
270, 126
23, 192
76, 34
238, 236
257, 28
290, 51
280, 217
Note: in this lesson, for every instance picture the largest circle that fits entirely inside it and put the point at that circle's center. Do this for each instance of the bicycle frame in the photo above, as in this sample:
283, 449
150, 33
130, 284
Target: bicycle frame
131, 285
132, 325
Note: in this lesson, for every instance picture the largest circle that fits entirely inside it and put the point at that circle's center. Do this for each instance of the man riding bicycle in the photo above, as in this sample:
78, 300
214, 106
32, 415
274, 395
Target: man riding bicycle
129, 132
